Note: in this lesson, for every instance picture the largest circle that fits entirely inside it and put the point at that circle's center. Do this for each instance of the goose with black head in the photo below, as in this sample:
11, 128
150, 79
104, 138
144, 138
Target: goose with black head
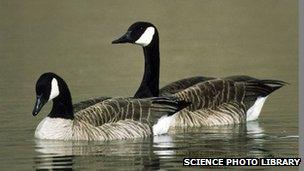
214, 101
115, 118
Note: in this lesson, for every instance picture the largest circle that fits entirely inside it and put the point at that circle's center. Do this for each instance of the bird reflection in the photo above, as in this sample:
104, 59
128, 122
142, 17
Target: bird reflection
243, 140
132, 154
51, 162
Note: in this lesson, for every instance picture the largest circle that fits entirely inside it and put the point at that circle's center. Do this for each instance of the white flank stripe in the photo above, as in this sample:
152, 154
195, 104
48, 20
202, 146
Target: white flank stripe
254, 111
163, 124
146, 38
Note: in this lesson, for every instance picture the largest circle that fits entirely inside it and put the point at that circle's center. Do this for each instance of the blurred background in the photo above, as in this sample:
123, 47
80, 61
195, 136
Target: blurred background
198, 37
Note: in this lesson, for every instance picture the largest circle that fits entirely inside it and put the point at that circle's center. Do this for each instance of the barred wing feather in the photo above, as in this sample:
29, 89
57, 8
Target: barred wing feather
221, 101
117, 109
182, 84
86, 103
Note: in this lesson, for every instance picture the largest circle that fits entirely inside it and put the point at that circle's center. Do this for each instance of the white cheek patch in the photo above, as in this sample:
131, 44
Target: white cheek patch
54, 89
146, 38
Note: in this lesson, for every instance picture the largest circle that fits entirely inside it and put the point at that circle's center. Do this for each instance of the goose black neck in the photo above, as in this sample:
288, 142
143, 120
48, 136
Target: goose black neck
62, 104
150, 83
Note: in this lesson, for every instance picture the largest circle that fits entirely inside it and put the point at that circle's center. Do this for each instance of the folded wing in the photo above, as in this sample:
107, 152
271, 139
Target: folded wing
86, 103
221, 101
117, 109
182, 84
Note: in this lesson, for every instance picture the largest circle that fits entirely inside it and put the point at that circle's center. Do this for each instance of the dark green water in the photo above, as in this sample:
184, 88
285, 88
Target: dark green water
212, 38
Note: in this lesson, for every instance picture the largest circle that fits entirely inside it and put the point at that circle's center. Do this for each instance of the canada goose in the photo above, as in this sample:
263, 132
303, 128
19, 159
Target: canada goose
115, 118
230, 100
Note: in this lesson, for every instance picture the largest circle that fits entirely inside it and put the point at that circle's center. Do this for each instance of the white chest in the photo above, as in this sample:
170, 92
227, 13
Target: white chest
54, 128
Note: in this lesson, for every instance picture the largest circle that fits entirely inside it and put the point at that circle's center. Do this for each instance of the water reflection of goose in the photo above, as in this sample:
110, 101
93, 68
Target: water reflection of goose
254, 130
163, 146
244, 140
95, 154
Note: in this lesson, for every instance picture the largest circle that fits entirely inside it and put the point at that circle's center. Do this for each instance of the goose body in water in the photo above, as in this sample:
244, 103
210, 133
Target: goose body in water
229, 100
115, 118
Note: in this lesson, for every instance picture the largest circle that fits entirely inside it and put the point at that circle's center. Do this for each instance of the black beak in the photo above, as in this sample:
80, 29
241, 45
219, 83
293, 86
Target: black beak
126, 38
38, 105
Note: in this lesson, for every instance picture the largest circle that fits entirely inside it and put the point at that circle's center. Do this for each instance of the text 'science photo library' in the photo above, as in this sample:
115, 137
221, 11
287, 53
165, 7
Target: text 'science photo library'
149, 85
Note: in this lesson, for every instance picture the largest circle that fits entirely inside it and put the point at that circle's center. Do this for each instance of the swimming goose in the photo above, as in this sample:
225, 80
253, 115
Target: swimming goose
229, 100
115, 118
